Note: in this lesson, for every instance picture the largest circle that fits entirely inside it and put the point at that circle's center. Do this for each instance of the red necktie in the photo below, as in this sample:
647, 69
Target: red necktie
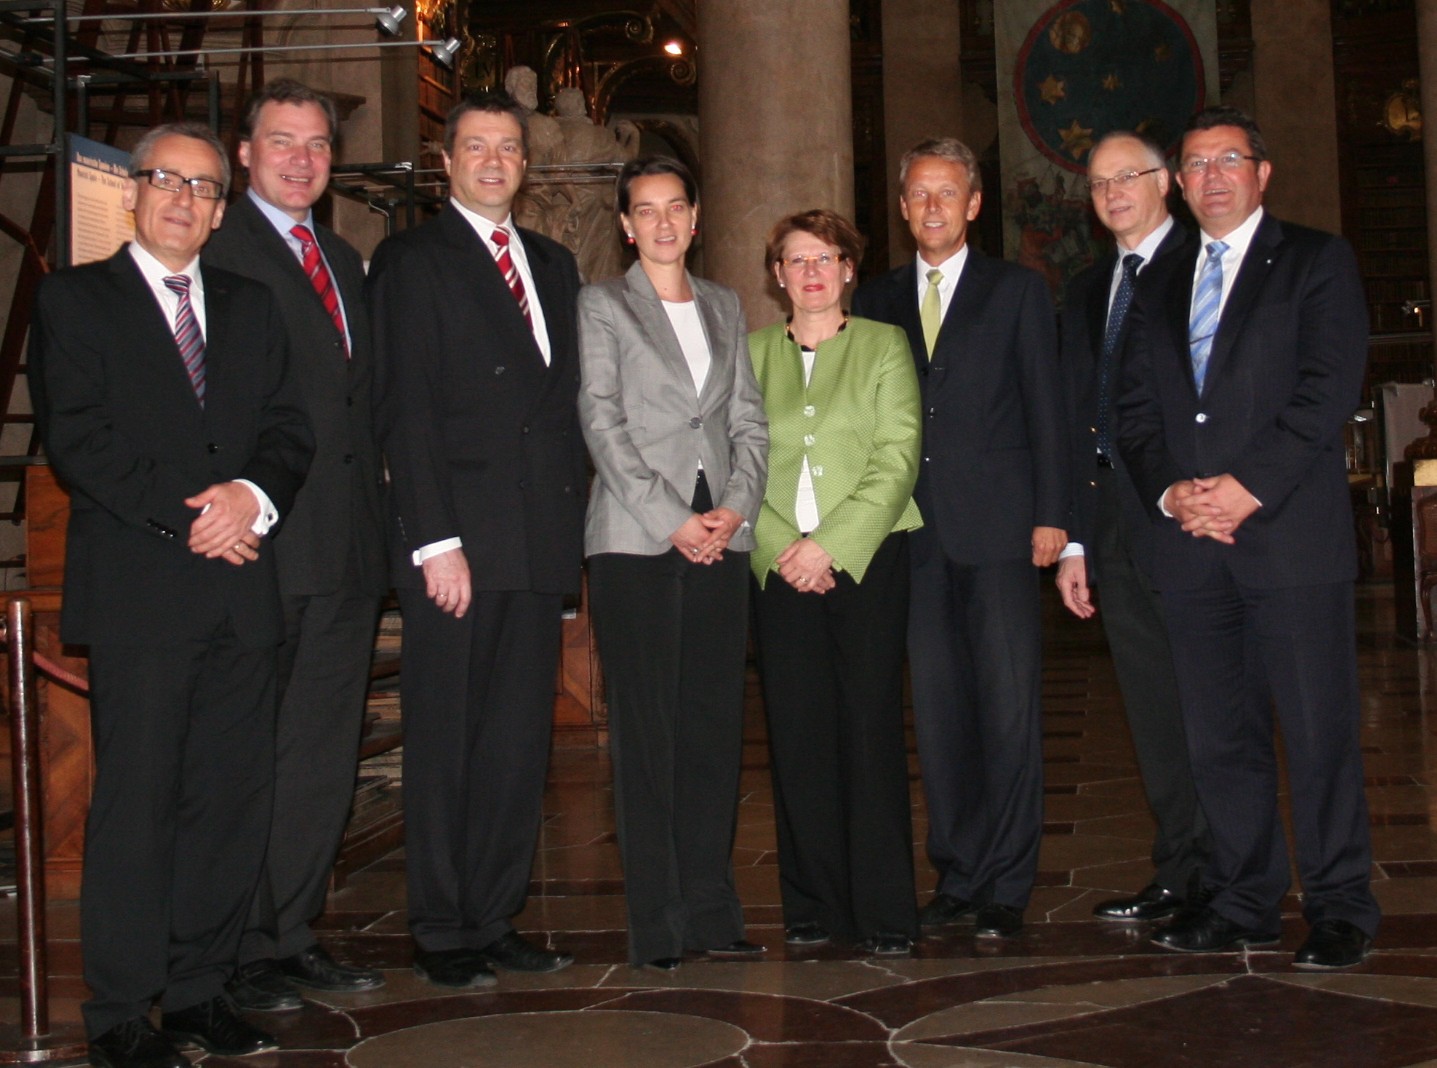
511, 273
188, 338
319, 278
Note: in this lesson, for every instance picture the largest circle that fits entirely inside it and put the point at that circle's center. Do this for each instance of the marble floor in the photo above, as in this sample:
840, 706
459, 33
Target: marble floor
1068, 991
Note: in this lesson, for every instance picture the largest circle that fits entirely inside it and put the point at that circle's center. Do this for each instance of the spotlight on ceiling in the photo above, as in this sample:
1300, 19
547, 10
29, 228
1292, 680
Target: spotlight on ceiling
390, 18
445, 51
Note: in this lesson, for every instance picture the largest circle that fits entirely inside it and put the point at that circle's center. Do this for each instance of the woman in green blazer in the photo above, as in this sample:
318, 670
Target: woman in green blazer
831, 565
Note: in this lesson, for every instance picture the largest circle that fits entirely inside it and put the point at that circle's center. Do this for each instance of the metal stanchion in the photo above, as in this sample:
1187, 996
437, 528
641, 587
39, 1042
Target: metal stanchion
33, 1042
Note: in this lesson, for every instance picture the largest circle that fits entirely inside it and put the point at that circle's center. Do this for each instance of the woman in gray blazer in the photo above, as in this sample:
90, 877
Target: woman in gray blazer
675, 424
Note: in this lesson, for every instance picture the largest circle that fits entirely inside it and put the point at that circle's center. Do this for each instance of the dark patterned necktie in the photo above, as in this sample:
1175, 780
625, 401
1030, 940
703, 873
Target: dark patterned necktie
1117, 317
313, 264
511, 273
188, 337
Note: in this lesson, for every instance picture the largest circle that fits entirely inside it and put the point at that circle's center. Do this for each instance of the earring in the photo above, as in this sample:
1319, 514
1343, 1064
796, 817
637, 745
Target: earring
783, 285
848, 279
628, 239
694, 232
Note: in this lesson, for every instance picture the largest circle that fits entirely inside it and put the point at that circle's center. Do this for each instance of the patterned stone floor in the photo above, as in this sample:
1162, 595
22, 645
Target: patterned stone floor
1069, 991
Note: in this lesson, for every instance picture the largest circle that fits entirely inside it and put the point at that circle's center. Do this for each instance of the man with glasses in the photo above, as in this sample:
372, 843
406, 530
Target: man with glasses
332, 564
1246, 359
162, 393
1112, 541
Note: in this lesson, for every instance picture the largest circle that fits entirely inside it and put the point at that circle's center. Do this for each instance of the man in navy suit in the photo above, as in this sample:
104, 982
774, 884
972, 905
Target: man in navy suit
1246, 359
163, 395
331, 561
478, 409
994, 489
1112, 541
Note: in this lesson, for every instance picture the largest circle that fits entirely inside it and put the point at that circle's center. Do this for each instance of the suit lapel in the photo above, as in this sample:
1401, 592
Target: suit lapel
151, 332
648, 309
720, 345
1179, 308
975, 286
1251, 275
1097, 306
475, 263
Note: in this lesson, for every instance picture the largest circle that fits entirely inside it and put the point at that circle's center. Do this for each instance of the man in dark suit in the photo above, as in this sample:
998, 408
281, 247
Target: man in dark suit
1246, 358
166, 407
475, 327
1112, 540
331, 560
993, 488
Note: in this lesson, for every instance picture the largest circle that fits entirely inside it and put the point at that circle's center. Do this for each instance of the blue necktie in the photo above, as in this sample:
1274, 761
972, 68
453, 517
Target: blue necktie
1117, 316
1206, 304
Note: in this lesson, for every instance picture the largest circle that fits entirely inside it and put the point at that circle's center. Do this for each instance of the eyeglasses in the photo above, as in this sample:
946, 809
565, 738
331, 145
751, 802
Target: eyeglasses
1098, 186
823, 259
173, 182
1228, 161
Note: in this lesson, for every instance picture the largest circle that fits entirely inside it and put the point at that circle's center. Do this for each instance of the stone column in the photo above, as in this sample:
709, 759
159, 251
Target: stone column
775, 131
922, 92
1427, 75
1297, 110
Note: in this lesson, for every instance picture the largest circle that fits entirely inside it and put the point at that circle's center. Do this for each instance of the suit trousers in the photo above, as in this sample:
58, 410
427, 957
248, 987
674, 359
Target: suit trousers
323, 683
975, 657
478, 705
1138, 639
1240, 653
672, 635
832, 668
184, 766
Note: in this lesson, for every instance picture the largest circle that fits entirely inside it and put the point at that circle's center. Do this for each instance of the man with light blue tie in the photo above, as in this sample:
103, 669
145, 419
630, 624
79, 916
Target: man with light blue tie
1245, 360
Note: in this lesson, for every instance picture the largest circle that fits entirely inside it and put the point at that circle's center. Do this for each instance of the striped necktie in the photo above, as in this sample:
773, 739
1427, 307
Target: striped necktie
188, 338
511, 273
313, 264
1207, 302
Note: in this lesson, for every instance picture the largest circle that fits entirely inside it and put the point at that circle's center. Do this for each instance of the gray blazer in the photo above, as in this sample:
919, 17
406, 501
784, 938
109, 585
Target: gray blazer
646, 427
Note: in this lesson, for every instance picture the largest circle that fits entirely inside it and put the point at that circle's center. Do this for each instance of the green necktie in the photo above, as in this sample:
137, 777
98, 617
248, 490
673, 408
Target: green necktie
930, 312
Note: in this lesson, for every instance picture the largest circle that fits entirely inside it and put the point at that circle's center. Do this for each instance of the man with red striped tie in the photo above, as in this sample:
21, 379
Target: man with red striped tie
332, 563
479, 377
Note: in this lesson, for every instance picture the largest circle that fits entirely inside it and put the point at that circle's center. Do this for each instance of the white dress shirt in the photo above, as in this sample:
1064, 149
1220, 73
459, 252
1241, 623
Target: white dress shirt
283, 224
952, 269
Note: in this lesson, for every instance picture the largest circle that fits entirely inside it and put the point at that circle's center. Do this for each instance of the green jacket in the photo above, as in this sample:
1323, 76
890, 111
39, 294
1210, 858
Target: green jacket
858, 421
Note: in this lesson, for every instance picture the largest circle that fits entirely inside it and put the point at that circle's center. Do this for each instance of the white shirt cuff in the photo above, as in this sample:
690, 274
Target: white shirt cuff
1073, 548
268, 514
434, 548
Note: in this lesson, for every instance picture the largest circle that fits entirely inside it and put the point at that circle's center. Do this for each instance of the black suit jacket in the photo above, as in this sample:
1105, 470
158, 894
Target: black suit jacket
124, 431
1083, 327
1284, 376
338, 515
995, 438
482, 438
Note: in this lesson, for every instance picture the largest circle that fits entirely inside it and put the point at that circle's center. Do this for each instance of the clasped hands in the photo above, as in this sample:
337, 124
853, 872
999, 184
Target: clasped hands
224, 527
705, 535
806, 566
1210, 507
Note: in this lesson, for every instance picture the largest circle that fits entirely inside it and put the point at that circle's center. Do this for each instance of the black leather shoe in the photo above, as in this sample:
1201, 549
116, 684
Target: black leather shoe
1333, 944
944, 909
1150, 903
806, 934
316, 969
739, 950
216, 1028
458, 968
886, 945
513, 952
666, 965
135, 1044
1208, 932
997, 921
259, 986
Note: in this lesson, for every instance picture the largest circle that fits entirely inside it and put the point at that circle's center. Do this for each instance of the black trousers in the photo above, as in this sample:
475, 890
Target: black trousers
832, 668
671, 635
184, 771
1138, 638
1240, 654
975, 655
323, 682
478, 704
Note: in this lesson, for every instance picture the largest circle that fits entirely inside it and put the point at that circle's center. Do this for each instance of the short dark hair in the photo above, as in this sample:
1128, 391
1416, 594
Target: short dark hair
643, 167
139, 155
945, 148
823, 224
287, 91
1222, 115
495, 102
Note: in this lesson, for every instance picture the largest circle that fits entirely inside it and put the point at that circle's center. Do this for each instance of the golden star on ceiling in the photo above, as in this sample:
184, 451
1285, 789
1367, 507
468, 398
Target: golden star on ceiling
1163, 52
1052, 89
1112, 83
1117, 7
1077, 139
